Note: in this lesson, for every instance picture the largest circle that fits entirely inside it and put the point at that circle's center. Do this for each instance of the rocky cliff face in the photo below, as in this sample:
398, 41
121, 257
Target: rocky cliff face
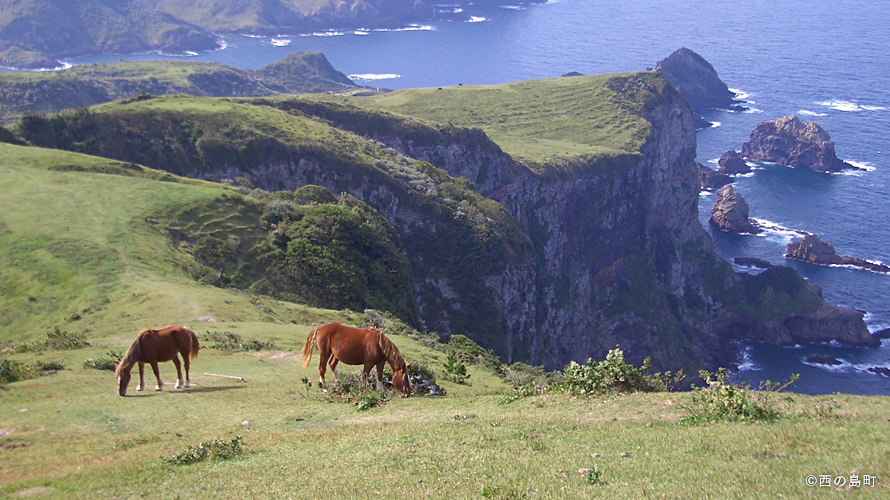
793, 143
542, 268
730, 212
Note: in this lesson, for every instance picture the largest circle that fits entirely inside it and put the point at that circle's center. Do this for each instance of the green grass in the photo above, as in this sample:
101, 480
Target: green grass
529, 119
73, 436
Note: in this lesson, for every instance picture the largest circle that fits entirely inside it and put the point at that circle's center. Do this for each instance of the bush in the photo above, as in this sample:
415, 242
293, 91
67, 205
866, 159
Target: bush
232, 342
208, 450
722, 400
615, 375
13, 371
106, 362
56, 340
455, 371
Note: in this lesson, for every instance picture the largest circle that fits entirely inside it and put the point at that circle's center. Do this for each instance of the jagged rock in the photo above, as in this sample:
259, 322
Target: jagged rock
883, 334
696, 80
753, 262
823, 359
730, 212
778, 307
880, 370
790, 142
732, 163
815, 251
711, 179
573, 73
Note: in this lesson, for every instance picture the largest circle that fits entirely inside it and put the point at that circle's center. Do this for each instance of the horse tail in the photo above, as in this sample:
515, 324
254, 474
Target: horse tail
195, 346
307, 347
129, 357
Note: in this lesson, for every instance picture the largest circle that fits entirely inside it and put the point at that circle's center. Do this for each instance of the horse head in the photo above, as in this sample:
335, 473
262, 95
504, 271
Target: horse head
123, 378
400, 381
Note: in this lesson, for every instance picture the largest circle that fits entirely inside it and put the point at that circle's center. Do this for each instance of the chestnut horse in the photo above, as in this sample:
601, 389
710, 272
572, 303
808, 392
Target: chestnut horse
357, 346
152, 346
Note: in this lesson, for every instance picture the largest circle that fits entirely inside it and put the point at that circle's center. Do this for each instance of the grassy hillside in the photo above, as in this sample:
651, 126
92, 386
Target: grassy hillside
530, 120
90, 84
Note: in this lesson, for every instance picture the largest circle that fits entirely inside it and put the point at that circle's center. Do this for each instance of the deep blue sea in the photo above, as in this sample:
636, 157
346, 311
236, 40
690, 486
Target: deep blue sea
826, 61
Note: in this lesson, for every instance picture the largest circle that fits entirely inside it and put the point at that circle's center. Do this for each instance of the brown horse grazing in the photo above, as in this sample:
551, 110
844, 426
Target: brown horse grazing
357, 346
152, 346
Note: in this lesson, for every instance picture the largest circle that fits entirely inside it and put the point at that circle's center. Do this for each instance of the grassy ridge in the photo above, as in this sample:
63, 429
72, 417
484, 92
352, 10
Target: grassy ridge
90, 84
531, 120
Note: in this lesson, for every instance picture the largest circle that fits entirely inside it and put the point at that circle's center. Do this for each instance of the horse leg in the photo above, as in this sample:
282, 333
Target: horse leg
186, 362
322, 367
178, 372
141, 376
333, 364
154, 367
380, 376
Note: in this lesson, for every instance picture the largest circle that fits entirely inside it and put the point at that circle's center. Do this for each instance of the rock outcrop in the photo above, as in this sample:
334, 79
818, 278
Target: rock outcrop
822, 359
730, 212
790, 142
752, 262
710, 179
815, 251
697, 80
544, 268
732, 163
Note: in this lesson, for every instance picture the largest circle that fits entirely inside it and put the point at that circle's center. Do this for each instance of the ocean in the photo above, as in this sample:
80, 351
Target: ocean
825, 61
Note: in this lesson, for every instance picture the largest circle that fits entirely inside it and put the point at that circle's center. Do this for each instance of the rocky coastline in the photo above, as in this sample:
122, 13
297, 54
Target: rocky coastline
792, 143
815, 251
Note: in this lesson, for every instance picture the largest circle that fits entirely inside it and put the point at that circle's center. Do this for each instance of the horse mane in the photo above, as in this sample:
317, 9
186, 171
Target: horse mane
131, 356
391, 351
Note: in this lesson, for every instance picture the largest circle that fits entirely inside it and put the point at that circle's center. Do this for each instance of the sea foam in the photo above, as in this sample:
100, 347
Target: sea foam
849, 106
374, 76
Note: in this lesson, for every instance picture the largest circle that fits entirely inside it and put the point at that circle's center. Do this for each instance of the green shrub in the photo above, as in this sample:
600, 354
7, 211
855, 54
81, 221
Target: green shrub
723, 400
13, 371
615, 375
106, 362
56, 340
455, 371
208, 450
232, 342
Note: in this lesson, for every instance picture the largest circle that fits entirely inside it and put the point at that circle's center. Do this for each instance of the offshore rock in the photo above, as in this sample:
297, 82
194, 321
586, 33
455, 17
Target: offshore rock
752, 262
730, 212
696, 80
823, 359
732, 163
710, 179
815, 251
790, 142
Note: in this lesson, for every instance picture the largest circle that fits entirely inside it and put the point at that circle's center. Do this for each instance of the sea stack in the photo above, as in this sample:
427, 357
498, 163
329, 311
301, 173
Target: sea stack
732, 163
696, 80
730, 212
815, 251
790, 142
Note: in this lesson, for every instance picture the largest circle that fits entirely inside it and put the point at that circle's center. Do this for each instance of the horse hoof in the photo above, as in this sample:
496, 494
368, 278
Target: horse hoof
159, 388
178, 385
139, 389
187, 385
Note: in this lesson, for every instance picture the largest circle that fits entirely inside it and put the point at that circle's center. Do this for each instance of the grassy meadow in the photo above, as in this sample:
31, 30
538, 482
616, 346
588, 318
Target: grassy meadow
83, 248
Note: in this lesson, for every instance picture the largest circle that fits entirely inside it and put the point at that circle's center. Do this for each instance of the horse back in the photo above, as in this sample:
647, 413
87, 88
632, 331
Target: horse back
164, 344
352, 346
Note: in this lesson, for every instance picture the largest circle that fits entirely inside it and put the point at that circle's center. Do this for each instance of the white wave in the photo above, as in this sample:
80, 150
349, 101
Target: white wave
849, 106
714, 160
774, 231
845, 366
374, 76
248, 35
752, 111
222, 45
361, 32
280, 42
512, 7
746, 175
864, 165
476, 19
324, 33
747, 363
807, 112
715, 124
740, 94
704, 193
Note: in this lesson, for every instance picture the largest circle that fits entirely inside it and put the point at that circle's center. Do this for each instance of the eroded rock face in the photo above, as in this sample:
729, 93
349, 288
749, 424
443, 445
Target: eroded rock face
711, 179
732, 163
790, 142
815, 251
730, 212
696, 80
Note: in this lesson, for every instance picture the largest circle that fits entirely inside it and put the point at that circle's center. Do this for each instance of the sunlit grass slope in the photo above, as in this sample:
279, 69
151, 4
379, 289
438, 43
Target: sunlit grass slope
544, 121
82, 250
